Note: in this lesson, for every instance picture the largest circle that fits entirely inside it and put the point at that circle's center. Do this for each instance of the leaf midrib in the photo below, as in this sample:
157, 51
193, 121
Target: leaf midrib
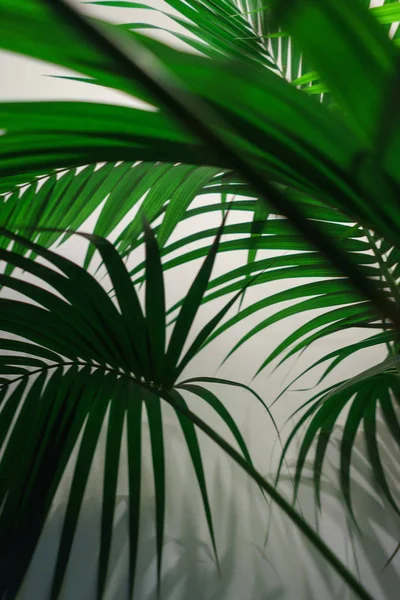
106, 369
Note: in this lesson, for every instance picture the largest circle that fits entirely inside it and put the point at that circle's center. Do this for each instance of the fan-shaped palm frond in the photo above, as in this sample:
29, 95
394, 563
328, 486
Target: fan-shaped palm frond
81, 360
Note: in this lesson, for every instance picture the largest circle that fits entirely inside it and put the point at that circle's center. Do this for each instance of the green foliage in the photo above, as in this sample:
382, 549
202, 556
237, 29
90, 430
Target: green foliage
306, 145
90, 356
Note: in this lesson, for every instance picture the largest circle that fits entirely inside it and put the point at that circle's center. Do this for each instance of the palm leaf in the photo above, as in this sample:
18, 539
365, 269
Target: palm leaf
188, 311
85, 456
76, 399
134, 446
219, 30
340, 354
356, 32
272, 492
190, 434
272, 235
111, 464
377, 385
247, 170
153, 407
57, 205
102, 42
188, 67
101, 373
155, 306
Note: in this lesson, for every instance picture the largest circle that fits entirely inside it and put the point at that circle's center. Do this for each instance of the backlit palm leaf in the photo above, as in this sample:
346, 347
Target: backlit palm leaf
326, 145
208, 134
364, 394
80, 372
86, 355
215, 29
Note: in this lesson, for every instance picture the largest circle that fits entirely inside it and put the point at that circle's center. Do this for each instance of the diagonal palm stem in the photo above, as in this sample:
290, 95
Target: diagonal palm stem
144, 67
293, 515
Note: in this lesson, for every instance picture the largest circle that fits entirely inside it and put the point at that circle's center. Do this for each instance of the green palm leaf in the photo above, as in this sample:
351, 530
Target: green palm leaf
103, 373
168, 98
57, 205
220, 31
134, 409
340, 354
111, 464
377, 385
153, 406
155, 306
76, 399
86, 452
362, 41
188, 312
319, 125
190, 434
272, 492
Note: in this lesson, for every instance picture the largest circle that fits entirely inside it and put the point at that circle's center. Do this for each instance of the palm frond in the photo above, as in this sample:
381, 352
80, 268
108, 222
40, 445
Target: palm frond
215, 29
375, 388
66, 200
355, 31
327, 141
195, 120
87, 358
82, 372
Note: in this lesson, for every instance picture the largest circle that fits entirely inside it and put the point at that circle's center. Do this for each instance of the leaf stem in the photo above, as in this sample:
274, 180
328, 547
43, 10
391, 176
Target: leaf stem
271, 490
188, 109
